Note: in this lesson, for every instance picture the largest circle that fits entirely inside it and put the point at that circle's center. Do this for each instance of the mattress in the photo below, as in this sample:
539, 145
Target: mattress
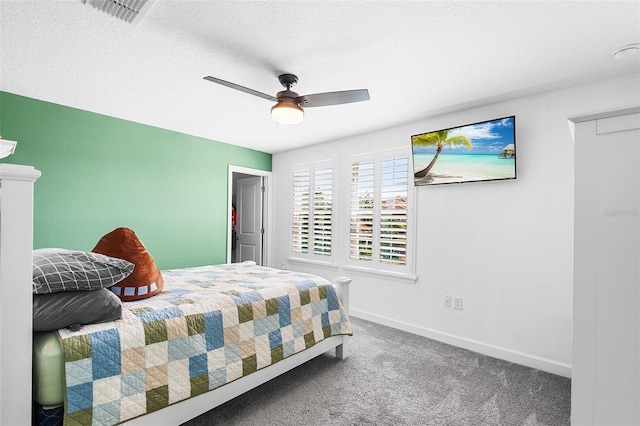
48, 369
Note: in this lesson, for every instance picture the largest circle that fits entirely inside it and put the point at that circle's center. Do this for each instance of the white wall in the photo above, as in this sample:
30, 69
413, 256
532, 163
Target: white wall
506, 247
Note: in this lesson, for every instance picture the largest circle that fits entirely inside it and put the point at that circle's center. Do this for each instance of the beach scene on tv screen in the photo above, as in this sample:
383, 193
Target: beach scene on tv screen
475, 152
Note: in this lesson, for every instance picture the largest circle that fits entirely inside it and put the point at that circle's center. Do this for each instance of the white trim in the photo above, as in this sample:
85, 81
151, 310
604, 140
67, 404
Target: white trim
522, 358
18, 172
633, 109
398, 276
620, 123
310, 262
268, 208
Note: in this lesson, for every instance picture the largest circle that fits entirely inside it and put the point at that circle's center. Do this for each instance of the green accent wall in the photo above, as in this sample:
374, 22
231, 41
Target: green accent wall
100, 173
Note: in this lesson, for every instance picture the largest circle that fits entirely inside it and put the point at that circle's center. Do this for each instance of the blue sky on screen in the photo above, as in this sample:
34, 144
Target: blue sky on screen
488, 137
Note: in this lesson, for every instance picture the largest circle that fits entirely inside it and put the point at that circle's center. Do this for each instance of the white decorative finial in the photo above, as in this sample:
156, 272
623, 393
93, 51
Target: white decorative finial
7, 147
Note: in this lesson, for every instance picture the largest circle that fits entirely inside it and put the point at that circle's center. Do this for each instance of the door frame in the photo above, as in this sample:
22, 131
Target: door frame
267, 209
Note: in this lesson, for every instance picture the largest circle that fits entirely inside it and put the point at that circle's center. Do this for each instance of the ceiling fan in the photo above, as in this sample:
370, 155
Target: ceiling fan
288, 108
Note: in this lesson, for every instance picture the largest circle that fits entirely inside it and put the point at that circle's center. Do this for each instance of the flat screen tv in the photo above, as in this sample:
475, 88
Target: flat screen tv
481, 151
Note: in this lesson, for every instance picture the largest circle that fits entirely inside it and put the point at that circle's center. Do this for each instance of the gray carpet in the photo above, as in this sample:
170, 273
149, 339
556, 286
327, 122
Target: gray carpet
398, 378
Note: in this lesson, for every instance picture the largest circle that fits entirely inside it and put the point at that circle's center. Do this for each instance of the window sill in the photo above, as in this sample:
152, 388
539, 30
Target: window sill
396, 276
309, 262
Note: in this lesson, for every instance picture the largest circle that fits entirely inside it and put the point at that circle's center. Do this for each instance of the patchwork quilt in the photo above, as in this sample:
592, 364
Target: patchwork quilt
209, 326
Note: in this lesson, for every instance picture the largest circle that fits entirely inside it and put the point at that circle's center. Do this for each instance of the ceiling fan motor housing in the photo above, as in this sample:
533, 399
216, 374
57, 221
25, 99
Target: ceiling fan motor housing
288, 94
288, 80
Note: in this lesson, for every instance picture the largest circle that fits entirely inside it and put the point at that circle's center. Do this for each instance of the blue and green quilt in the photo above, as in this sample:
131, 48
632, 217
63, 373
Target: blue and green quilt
209, 326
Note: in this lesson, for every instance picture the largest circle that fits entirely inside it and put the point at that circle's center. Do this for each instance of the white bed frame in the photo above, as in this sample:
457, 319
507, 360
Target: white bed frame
16, 318
16, 245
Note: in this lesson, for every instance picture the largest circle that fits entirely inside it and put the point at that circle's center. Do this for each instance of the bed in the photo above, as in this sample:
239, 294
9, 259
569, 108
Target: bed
213, 333
209, 327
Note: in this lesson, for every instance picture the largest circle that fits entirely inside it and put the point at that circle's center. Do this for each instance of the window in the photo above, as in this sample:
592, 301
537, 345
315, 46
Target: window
393, 209
379, 211
312, 211
300, 239
322, 209
362, 214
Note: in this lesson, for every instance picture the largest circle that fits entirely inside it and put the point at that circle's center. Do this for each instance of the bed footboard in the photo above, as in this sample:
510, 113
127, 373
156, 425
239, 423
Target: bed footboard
342, 288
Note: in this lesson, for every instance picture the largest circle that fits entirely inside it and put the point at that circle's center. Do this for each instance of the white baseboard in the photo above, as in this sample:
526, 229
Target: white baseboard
521, 358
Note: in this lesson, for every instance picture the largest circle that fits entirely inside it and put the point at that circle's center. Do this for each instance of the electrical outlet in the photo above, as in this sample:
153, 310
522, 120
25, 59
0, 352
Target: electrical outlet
457, 303
447, 301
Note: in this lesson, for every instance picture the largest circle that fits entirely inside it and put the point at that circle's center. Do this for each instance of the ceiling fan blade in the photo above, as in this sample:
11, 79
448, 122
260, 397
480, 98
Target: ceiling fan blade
241, 88
333, 98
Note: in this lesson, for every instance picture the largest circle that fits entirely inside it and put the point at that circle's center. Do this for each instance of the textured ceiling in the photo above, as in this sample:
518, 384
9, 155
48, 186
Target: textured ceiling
417, 59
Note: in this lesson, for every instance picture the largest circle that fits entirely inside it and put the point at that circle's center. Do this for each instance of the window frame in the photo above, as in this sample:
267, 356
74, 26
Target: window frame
312, 168
376, 266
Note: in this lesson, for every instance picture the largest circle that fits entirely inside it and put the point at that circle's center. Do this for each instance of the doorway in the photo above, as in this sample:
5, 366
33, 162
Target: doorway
249, 220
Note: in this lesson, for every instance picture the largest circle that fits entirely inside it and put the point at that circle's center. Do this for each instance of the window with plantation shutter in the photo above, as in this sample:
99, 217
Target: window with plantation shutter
300, 240
312, 211
322, 210
379, 211
393, 209
362, 213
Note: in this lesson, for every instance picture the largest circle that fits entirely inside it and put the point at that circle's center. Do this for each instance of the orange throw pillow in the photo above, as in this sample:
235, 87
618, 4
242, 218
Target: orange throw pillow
145, 280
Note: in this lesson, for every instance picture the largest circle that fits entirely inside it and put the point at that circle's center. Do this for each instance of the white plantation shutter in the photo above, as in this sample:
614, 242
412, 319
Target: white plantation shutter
362, 213
393, 209
322, 210
379, 211
300, 222
312, 210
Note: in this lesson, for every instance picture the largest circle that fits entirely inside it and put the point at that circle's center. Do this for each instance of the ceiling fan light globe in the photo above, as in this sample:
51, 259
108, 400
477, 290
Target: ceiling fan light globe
288, 113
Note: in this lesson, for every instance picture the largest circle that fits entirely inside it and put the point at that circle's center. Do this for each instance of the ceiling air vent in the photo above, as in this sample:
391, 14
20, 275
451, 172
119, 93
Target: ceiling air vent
127, 10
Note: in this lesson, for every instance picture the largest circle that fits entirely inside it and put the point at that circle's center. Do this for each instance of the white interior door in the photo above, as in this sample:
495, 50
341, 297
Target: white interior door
250, 229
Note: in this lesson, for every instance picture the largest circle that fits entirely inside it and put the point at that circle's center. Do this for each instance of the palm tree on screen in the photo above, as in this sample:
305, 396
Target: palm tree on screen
439, 140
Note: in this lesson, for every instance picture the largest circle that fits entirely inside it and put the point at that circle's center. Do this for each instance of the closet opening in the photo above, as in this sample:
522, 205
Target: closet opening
249, 218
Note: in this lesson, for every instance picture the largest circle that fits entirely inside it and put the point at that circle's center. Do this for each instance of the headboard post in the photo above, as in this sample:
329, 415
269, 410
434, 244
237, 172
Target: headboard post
16, 304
